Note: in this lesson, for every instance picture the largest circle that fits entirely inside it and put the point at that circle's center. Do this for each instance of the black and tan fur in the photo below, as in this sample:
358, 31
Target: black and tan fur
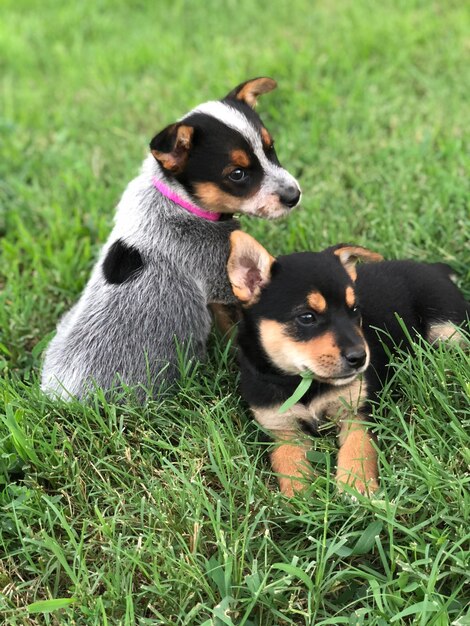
317, 312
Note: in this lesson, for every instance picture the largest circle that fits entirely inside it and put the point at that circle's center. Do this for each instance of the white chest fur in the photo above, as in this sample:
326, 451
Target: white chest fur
334, 404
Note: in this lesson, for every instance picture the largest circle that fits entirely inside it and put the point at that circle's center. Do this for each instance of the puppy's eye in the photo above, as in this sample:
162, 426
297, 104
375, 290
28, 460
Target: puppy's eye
356, 310
237, 175
306, 319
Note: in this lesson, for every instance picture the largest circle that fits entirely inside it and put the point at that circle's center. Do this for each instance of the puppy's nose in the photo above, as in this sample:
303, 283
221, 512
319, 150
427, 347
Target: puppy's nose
355, 357
290, 196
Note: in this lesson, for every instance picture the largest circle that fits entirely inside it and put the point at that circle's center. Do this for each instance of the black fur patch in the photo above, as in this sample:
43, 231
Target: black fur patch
122, 263
213, 143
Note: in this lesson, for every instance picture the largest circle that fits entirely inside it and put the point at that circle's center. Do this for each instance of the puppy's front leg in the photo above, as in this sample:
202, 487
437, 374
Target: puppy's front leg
357, 456
289, 461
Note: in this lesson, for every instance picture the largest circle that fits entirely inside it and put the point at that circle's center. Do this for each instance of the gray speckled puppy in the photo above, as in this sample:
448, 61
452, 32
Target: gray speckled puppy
165, 259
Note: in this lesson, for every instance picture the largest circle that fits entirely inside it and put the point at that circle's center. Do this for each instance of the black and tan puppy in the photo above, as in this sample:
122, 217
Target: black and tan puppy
316, 313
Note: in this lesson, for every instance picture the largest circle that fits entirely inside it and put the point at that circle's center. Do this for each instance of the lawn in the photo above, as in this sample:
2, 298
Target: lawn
169, 514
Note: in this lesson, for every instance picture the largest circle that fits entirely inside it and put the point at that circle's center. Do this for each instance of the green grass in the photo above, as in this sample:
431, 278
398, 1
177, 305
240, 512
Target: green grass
169, 514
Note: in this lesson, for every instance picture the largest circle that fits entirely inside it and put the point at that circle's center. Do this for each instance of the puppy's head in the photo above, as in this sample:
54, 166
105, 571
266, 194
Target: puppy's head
302, 310
224, 157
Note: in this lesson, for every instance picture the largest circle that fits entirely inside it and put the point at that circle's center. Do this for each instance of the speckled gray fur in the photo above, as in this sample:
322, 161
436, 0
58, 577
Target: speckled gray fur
128, 330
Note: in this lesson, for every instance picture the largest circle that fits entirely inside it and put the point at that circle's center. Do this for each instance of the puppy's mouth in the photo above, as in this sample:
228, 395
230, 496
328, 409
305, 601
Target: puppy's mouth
272, 208
336, 381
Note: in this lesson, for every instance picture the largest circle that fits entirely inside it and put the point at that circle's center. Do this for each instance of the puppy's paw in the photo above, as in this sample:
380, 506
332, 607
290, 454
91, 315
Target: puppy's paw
290, 486
365, 483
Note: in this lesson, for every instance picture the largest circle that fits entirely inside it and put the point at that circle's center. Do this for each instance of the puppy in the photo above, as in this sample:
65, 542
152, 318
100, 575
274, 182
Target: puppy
164, 262
317, 313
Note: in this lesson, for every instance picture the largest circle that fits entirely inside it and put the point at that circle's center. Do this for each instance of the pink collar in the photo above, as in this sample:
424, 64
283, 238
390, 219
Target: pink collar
192, 208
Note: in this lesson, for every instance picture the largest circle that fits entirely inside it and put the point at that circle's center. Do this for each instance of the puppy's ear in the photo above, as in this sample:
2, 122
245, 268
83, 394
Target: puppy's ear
250, 90
350, 255
171, 147
248, 267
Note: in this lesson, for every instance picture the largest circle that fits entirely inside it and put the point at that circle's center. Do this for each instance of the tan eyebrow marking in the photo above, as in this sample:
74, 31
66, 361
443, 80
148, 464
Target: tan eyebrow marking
266, 138
350, 297
240, 158
317, 301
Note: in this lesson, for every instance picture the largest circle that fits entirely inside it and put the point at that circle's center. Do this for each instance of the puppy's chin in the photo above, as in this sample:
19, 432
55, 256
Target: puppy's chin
339, 382
276, 212
267, 211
